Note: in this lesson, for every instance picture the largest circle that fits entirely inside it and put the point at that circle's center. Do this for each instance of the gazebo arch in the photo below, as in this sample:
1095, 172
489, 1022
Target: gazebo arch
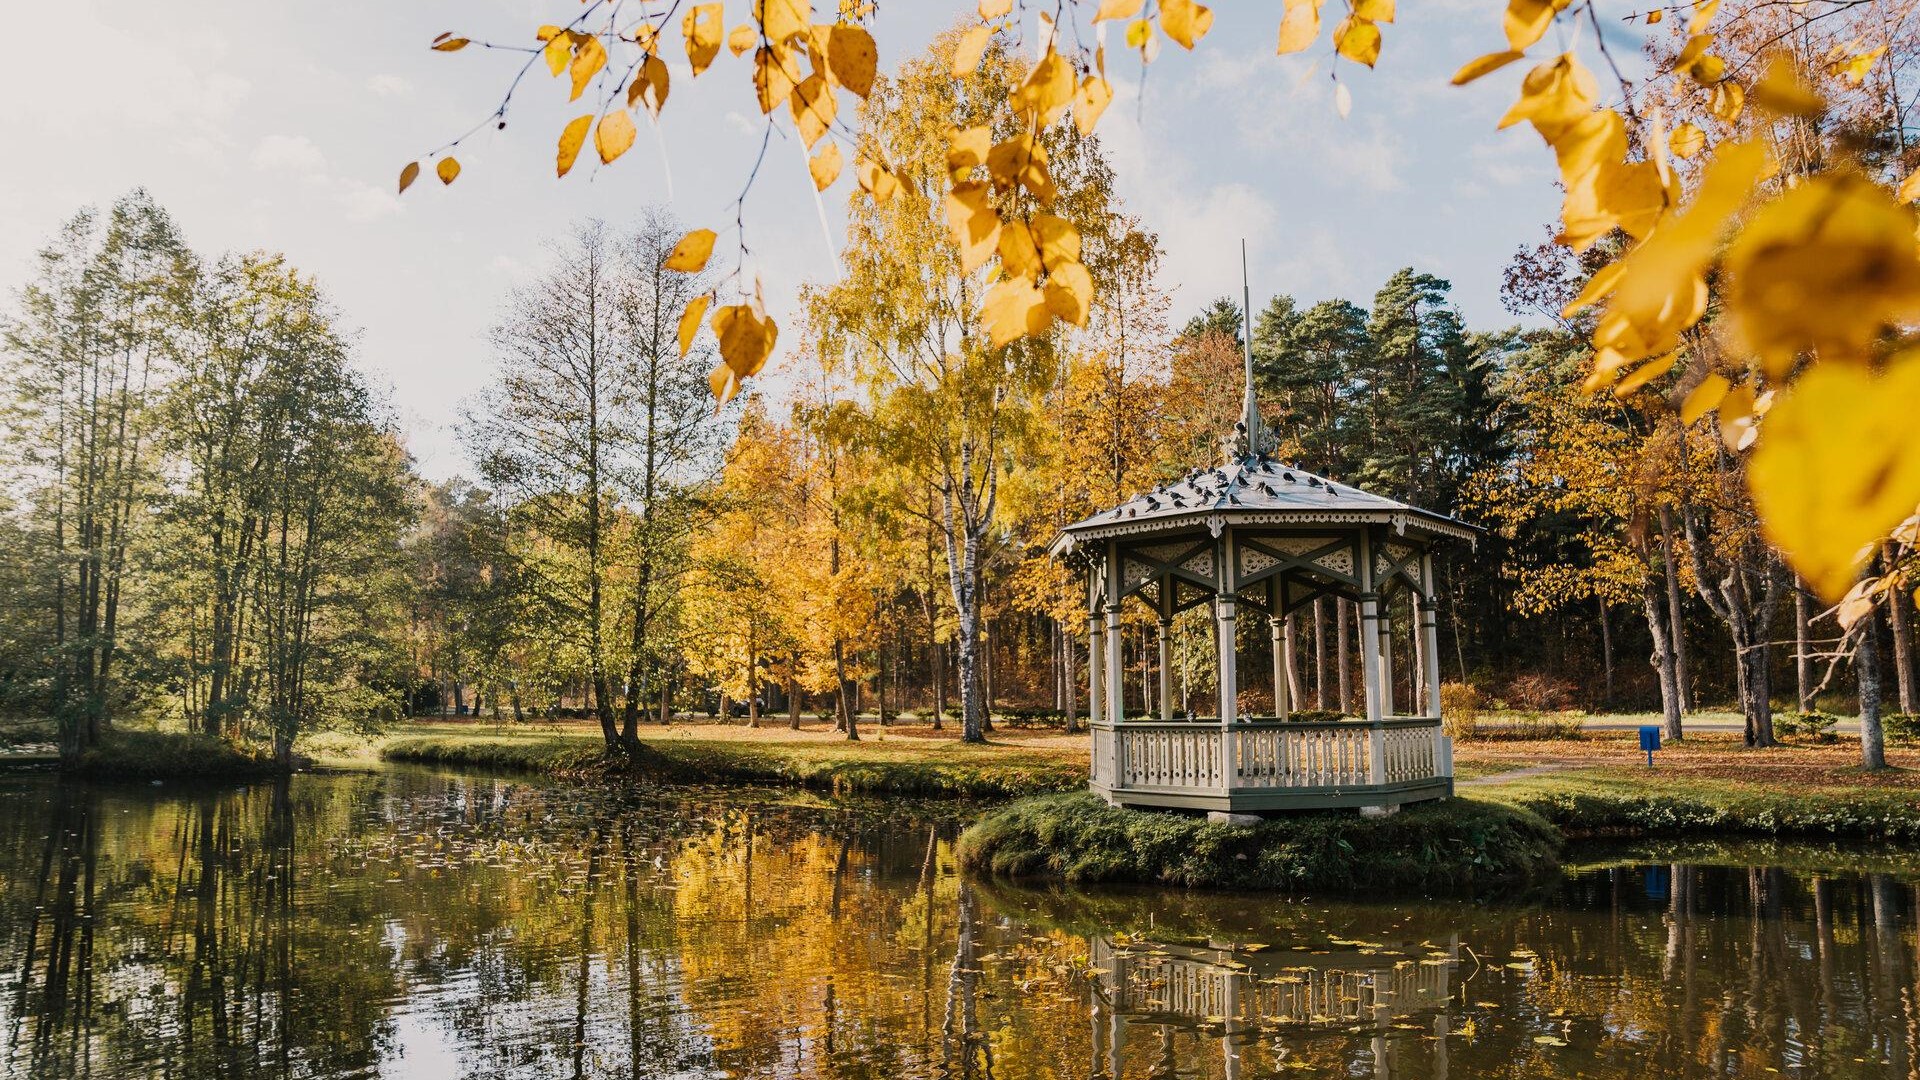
1258, 535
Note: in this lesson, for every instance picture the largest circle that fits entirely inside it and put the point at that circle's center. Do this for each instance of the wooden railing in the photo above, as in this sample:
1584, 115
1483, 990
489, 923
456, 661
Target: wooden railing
1209, 985
1204, 757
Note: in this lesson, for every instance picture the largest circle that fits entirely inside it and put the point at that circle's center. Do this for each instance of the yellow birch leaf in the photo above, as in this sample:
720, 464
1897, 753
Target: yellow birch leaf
614, 136
690, 255
724, 383
1703, 13
1089, 101
1828, 267
1059, 241
771, 80
1704, 398
967, 149
1644, 374
571, 139
1782, 92
1909, 188
1022, 160
1139, 32
876, 180
412, 172
851, 57
704, 27
1380, 11
1117, 9
1837, 467
813, 108
973, 223
1019, 255
1686, 141
1185, 21
742, 38
589, 56
448, 170
449, 43
1599, 285
1695, 48
1526, 22
690, 322
1300, 26
1357, 39
1707, 70
1070, 293
1554, 96
1654, 16
746, 338
780, 20
1014, 308
1729, 98
1855, 69
825, 166
650, 86
1485, 65
994, 9
1047, 90
558, 53
973, 45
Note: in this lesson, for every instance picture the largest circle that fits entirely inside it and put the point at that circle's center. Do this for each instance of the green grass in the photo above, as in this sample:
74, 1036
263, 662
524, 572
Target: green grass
1455, 845
1589, 802
946, 769
171, 755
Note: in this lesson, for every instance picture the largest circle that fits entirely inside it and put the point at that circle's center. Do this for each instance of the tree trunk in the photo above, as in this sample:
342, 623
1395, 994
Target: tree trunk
1866, 667
1344, 607
1802, 647
1898, 619
1676, 612
1320, 698
1661, 630
1606, 654
793, 703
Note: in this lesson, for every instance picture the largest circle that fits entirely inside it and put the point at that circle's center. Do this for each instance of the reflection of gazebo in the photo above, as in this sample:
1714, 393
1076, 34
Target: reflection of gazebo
1254, 533
1293, 995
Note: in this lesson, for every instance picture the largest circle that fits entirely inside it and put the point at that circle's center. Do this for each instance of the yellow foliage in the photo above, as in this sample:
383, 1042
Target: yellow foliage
1836, 468
690, 255
1357, 39
1185, 21
824, 166
572, 137
702, 27
614, 135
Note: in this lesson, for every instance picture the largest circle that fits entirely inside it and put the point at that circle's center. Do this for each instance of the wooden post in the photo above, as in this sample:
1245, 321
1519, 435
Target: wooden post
1166, 671
1096, 666
1223, 611
1430, 634
1388, 706
1116, 698
1281, 632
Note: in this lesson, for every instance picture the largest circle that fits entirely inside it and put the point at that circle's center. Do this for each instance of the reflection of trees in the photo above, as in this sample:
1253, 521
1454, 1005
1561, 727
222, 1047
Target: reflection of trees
56, 976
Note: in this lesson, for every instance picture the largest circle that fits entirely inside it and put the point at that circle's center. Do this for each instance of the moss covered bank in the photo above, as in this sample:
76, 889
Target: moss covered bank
1454, 845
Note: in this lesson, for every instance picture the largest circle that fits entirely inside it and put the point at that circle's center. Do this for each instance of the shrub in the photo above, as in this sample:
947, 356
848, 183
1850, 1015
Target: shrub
1540, 693
1901, 727
1453, 844
1460, 706
172, 755
1812, 726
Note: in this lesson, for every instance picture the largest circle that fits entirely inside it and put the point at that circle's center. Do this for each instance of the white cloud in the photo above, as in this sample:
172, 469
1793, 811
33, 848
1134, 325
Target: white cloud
363, 202
289, 153
388, 86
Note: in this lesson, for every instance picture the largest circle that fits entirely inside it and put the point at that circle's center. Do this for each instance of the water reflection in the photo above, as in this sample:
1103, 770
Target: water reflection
422, 926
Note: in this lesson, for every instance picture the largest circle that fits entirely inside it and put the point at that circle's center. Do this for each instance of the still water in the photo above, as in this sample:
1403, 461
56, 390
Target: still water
418, 925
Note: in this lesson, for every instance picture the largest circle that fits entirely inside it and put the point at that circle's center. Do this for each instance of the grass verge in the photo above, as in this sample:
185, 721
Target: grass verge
1615, 802
171, 755
1455, 845
936, 768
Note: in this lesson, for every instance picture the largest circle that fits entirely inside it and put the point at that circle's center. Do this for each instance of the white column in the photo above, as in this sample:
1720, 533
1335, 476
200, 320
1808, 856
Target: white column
1096, 667
1223, 611
1116, 698
1386, 657
1281, 632
1166, 671
1370, 655
1430, 636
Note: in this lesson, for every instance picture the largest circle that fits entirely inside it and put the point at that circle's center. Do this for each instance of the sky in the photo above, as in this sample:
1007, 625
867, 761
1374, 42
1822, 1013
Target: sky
284, 126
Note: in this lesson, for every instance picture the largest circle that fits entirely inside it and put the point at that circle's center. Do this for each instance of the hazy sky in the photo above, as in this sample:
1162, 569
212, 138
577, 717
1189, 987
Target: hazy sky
283, 126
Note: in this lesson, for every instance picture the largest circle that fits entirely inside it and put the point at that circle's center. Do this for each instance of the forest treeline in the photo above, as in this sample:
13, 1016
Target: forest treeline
209, 518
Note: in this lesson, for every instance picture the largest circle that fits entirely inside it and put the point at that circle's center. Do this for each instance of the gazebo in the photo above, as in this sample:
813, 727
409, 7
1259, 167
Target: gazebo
1254, 534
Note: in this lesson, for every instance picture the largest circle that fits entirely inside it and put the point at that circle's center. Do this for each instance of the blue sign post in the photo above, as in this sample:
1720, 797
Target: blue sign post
1650, 741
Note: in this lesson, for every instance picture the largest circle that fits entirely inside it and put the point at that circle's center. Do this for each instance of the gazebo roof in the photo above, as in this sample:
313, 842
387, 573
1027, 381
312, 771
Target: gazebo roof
1254, 489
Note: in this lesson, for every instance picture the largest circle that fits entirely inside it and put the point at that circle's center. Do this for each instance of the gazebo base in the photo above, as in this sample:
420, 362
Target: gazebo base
1280, 800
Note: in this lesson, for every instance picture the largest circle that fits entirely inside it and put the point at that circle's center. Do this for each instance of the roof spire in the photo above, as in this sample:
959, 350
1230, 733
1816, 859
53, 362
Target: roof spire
1249, 438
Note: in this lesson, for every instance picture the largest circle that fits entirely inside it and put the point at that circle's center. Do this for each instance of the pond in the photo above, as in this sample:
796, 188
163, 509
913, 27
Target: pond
409, 924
